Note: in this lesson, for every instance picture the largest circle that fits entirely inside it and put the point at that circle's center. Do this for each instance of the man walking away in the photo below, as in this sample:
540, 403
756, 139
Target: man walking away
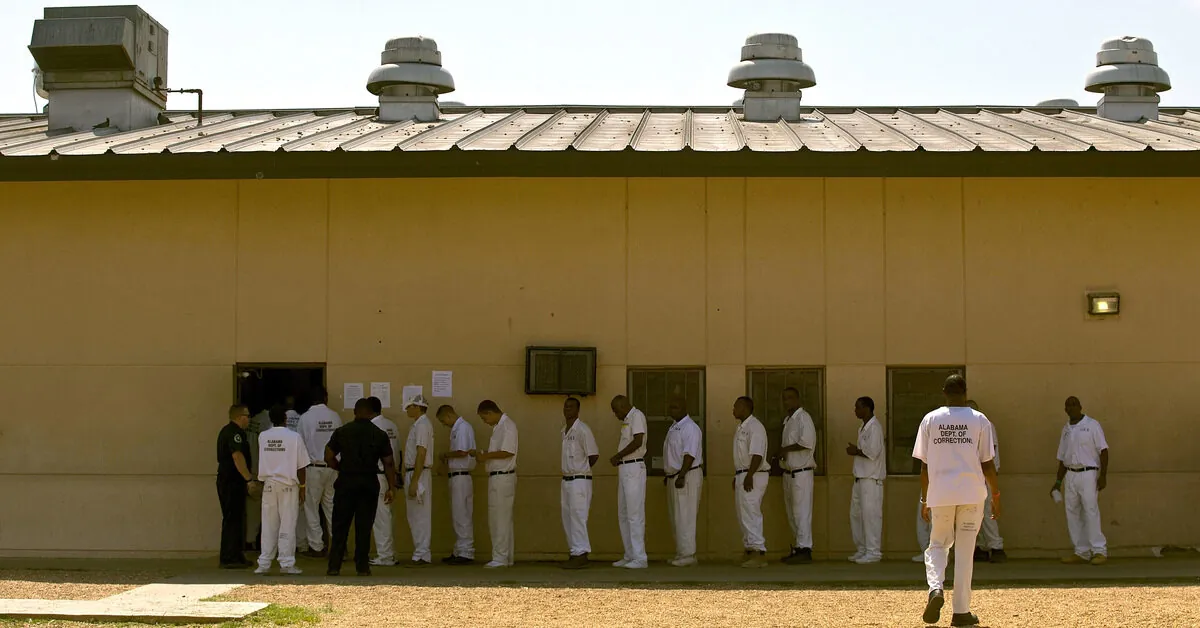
362, 447
954, 445
282, 459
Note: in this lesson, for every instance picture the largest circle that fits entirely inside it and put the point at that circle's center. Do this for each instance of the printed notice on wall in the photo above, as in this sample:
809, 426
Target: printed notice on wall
443, 383
383, 392
351, 393
412, 391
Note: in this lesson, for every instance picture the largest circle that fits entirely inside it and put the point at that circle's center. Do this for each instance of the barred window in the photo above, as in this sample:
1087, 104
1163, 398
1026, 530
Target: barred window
913, 392
765, 386
650, 390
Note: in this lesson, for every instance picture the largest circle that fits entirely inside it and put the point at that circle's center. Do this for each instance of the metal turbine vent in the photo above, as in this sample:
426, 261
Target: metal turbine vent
410, 80
1128, 76
772, 73
1064, 103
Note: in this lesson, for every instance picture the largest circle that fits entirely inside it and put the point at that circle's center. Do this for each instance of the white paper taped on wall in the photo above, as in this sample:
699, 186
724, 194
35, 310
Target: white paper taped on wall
443, 383
383, 392
351, 393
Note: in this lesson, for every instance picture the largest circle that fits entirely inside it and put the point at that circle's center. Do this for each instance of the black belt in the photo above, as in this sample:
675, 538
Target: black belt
407, 469
320, 464
793, 472
568, 478
455, 474
741, 471
630, 461
491, 473
866, 480
1082, 469
689, 471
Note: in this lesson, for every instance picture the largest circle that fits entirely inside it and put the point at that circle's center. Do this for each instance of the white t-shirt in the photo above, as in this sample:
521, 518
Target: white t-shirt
750, 440
953, 443
683, 439
798, 429
870, 441
462, 438
1080, 444
316, 426
280, 455
393, 434
578, 445
504, 438
293, 421
633, 424
419, 435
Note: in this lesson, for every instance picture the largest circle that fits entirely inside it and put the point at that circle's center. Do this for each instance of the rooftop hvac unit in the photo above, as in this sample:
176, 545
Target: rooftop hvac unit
560, 370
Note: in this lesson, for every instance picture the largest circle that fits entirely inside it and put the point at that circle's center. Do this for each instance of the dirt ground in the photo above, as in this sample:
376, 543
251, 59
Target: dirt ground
63, 584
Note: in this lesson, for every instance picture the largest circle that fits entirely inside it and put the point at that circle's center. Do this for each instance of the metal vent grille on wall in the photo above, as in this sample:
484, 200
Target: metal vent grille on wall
560, 370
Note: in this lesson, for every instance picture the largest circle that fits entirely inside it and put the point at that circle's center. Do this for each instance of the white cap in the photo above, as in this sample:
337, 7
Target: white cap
419, 400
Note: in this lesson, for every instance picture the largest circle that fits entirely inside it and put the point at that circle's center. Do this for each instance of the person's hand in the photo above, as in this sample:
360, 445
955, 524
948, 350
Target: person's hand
995, 506
615, 460
1101, 483
748, 484
412, 490
387, 496
852, 449
303, 495
679, 481
926, 515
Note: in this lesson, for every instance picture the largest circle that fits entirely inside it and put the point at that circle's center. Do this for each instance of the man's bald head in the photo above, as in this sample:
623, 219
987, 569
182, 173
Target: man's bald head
1073, 408
620, 406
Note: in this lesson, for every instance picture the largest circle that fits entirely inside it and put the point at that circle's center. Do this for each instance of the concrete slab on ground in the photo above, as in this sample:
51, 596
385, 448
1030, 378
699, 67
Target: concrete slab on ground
154, 603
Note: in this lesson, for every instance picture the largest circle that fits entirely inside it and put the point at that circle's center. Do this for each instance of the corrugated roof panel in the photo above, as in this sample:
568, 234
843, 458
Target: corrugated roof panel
872, 134
212, 143
1099, 138
447, 134
610, 132
392, 136
503, 135
158, 144
986, 137
821, 134
101, 145
338, 135
930, 137
1142, 133
278, 139
27, 128
1043, 138
558, 134
769, 137
716, 132
5, 123
15, 138
1176, 125
662, 132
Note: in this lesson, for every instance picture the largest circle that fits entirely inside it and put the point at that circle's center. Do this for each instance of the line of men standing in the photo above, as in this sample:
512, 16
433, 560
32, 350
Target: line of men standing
352, 471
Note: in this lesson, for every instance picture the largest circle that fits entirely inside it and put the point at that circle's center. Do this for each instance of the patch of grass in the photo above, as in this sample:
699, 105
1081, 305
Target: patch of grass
276, 615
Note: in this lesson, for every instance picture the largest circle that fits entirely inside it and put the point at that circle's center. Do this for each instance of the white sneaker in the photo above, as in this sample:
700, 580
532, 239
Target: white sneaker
919, 558
262, 571
290, 571
684, 562
621, 563
854, 558
495, 564
637, 564
383, 563
868, 560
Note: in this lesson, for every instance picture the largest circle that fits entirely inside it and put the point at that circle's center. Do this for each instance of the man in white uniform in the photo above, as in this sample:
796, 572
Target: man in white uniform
418, 452
1083, 461
796, 458
682, 463
501, 461
954, 445
383, 529
293, 423
750, 480
579, 455
866, 500
316, 426
459, 464
631, 483
282, 459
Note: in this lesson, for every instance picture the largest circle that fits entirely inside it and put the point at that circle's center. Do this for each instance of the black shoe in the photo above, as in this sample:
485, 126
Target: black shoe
804, 555
964, 619
368, 572
982, 555
933, 608
449, 560
576, 562
309, 553
461, 560
234, 565
333, 572
789, 555
998, 556
417, 563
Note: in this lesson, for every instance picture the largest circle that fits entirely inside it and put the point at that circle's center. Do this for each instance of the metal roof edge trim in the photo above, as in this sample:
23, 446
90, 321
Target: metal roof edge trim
623, 164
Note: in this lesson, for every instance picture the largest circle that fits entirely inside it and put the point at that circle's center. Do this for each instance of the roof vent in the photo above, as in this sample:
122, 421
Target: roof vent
410, 80
1129, 77
772, 72
102, 67
1062, 103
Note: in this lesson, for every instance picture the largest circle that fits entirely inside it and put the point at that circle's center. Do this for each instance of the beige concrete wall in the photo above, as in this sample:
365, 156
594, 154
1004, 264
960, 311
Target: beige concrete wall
127, 304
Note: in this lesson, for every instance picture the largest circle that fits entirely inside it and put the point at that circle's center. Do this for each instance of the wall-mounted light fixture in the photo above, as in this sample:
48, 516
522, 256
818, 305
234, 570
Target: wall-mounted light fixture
1104, 303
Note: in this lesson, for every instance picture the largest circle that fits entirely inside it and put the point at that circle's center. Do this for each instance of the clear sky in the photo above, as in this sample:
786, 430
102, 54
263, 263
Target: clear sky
277, 54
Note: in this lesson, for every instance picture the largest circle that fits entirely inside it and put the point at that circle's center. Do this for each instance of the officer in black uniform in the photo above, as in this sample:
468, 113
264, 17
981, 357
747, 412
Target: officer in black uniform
362, 446
233, 481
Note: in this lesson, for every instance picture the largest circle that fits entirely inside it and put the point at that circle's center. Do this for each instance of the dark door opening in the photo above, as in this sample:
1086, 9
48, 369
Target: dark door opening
260, 386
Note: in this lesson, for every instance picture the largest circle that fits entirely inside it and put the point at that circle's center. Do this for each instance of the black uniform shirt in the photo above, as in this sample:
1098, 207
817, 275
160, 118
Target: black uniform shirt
362, 446
232, 438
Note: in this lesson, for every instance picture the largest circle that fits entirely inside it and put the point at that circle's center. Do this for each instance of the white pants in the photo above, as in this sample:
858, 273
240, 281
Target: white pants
683, 504
302, 526
749, 510
1083, 513
922, 527
576, 501
383, 529
280, 507
319, 481
420, 514
989, 530
462, 506
953, 526
631, 509
797, 501
502, 491
866, 517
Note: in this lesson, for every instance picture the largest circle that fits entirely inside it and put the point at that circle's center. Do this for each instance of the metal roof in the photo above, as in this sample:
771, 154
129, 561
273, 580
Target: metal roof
596, 129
